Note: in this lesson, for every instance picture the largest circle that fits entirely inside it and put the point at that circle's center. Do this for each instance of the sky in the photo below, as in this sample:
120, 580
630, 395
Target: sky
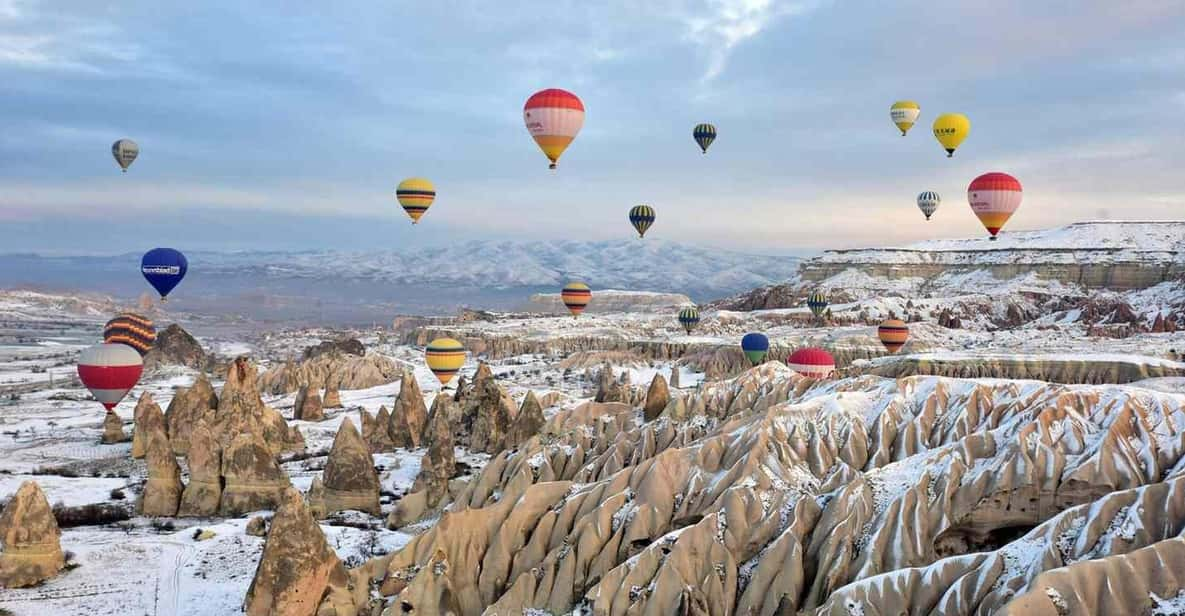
280, 125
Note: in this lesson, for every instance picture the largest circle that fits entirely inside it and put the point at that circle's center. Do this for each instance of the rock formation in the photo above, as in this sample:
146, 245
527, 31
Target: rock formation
315, 499
656, 398
350, 480
297, 568
162, 491
487, 416
332, 399
675, 377
527, 422
379, 440
175, 347
342, 346
188, 406
203, 493
241, 409
344, 371
30, 541
256, 527
253, 479
406, 425
112, 429
430, 489
308, 405
610, 389
147, 418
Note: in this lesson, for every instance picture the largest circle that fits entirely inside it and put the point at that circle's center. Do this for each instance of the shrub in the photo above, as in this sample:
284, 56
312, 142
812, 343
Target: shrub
117, 494
95, 514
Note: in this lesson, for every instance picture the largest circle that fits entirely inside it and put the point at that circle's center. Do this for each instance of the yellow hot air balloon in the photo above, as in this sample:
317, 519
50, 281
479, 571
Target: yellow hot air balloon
904, 114
416, 196
445, 357
950, 129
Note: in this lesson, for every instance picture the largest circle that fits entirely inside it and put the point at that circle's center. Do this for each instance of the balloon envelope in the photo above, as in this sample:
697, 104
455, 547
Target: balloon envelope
689, 318
755, 345
994, 197
904, 114
131, 329
416, 196
445, 357
817, 302
109, 371
554, 118
641, 217
125, 152
928, 203
893, 333
163, 268
576, 296
813, 362
950, 129
704, 135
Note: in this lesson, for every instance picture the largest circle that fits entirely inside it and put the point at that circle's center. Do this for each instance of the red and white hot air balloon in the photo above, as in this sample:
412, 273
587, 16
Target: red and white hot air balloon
110, 370
813, 362
553, 117
994, 197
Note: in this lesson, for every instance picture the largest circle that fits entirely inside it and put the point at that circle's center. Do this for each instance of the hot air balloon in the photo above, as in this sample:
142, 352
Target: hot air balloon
904, 114
928, 202
416, 196
131, 329
163, 268
950, 129
109, 370
704, 135
755, 346
576, 296
893, 333
689, 318
817, 302
553, 117
641, 217
125, 151
812, 362
445, 357
994, 197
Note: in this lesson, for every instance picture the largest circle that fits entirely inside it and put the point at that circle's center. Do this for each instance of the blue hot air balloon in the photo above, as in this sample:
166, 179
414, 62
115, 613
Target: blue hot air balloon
163, 268
755, 346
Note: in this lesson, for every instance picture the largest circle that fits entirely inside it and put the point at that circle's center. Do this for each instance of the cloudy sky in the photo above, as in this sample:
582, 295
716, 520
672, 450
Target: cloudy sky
265, 126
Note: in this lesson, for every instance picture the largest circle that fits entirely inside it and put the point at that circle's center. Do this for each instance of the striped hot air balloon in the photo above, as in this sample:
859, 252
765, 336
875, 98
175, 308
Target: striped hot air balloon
755, 345
109, 371
554, 118
817, 302
704, 135
893, 333
641, 217
928, 203
416, 196
813, 362
689, 318
131, 329
445, 357
994, 197
576, 296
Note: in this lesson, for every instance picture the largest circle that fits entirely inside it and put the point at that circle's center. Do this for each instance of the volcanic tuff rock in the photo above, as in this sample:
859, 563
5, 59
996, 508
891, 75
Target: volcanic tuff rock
527, 422
308, 405
657, 397
297, 567
379, 440
241, 409
1083, 371
30, 541
175, 347
253, 478
112, 429
162, 491
188, 406
344, 371
487, 417
406, 424
315, 498
350, 480
430, 490
203, 493
675, 377
332, 399
342, 346
147, 418
256, 527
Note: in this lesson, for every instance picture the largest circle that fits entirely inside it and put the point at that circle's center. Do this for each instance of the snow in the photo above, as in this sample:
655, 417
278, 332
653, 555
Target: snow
1172, 606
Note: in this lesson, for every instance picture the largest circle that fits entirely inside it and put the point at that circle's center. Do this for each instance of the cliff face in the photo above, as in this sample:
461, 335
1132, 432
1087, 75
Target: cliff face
1116, 276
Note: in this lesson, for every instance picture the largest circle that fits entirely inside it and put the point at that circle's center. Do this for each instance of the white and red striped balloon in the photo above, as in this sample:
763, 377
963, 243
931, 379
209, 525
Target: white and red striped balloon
813, 362
110, 371
994, 197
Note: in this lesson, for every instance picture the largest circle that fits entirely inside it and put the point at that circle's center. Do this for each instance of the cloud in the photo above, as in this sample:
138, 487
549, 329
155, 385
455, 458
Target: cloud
719, 26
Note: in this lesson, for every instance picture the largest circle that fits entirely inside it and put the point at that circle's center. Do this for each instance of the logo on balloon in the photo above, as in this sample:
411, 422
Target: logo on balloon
171, 270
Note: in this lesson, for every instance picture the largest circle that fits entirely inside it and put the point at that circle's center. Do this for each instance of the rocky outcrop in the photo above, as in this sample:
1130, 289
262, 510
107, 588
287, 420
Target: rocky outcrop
379, 440
203, 493
30, 541
341, 346
610, 389
188, 406
241, 410
308, 406
1068, 371
332, 398
486, 419
674, 377
256, 527
350, 480
527, 422
112, 429
162, 491
253, 478
657, 397
175, 347
315, 498
406, 424
147, 419
430, 490
341, 370
297, 569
